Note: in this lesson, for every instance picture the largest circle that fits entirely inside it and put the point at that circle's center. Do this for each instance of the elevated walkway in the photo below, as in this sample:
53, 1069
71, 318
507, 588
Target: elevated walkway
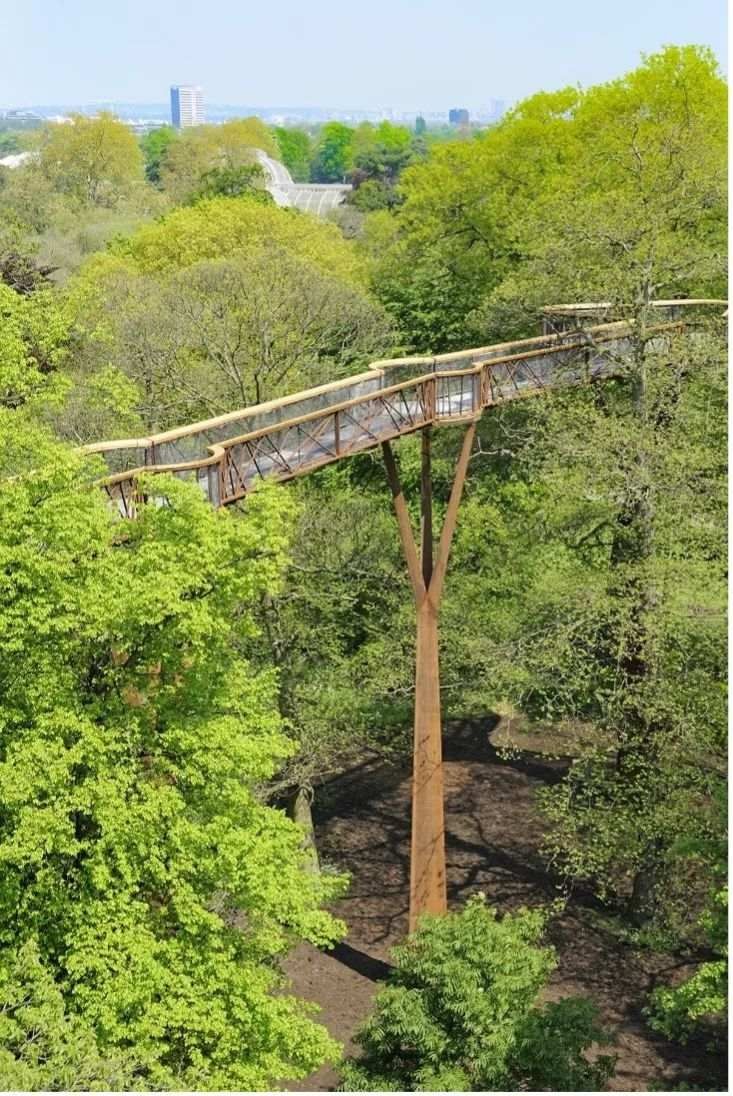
293, 435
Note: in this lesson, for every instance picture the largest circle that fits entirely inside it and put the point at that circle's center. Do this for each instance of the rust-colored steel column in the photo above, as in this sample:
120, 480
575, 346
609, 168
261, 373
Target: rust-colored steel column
427, 852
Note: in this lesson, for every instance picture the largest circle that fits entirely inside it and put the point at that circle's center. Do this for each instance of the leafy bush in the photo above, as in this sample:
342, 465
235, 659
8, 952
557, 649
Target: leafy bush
42, 1045
704, 995
460, 1013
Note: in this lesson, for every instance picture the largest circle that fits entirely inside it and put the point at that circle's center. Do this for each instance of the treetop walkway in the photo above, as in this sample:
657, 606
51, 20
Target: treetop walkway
288, 437
295, 434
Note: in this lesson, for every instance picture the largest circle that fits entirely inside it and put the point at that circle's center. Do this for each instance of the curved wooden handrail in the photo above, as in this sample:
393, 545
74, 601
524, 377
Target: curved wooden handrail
441, 389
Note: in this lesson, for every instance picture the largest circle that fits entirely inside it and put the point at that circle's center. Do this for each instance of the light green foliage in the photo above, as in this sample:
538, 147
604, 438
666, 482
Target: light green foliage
34, 332
642, 213
42, 1045
222, 227
92, 159
295, 150
455, 234
573, 195
334, 153
201, 149
213, 335
460, 1014
137, 855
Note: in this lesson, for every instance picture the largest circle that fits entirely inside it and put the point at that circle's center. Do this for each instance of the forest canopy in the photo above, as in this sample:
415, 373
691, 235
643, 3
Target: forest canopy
178, 689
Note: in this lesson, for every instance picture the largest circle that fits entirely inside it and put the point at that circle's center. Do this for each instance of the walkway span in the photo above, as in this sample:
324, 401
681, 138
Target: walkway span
226, 456
292, 436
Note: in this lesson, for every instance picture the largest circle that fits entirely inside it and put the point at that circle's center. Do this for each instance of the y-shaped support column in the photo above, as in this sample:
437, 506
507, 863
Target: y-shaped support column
427, 854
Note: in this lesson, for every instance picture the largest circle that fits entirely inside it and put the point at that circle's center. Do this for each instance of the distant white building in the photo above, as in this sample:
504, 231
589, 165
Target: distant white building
16, 160
187, 106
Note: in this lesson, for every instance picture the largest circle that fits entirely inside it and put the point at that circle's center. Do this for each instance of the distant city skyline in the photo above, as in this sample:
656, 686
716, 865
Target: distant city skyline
402, 57
162, 113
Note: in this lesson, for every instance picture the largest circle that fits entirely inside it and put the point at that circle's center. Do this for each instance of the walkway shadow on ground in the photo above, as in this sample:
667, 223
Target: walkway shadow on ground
376, 970
371, 799
463, 740
493, 833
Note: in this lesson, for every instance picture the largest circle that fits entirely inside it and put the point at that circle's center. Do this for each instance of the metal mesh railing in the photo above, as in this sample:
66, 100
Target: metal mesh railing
289, 437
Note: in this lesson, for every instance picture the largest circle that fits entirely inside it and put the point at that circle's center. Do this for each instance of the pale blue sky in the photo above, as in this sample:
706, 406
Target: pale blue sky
375, 53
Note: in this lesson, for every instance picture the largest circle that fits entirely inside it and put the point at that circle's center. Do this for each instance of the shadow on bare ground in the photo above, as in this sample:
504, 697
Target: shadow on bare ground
493, 833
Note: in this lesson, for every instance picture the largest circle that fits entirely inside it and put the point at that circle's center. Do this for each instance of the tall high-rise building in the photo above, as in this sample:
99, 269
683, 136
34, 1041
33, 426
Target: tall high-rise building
458, 116
187, 106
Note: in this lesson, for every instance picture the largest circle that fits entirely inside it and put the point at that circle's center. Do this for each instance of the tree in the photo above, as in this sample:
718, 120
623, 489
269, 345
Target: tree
340, 632
34, 338
19, 267
206, 336
201, 149
235, 332
460, 1014
642, 217
147, 891
295, 149
700, 1002
42, 1045
454, 236
233, 182
221, 228
155, 145
381, 152
333, 157
95, 160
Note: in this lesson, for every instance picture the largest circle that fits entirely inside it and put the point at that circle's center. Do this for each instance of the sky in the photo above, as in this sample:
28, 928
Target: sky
376, 54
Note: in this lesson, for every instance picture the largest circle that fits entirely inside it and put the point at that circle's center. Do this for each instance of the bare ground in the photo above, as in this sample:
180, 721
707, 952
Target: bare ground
493, 831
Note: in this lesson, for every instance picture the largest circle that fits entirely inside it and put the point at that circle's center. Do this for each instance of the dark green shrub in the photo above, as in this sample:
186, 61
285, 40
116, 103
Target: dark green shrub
460, 1013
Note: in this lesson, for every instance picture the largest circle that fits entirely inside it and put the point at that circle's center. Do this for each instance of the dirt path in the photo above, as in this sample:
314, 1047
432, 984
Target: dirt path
493, 832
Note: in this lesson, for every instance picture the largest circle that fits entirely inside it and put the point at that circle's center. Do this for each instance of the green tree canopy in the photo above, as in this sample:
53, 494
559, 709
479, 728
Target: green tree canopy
155, 145
143, 878
93, 159
333, 157
223, 304
295, 151
587, 182
204, 148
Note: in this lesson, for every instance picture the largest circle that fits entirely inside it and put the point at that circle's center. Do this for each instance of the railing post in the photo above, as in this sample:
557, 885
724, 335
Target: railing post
485, 391
221, 468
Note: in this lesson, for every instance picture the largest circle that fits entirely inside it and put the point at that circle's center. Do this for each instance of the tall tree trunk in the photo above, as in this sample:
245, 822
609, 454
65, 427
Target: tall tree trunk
632, 549
299, 809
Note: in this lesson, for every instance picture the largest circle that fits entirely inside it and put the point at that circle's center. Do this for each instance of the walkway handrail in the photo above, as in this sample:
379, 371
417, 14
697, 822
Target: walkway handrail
296, 434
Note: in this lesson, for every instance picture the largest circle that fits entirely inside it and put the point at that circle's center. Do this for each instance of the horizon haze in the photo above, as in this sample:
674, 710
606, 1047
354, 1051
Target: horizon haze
398, 58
